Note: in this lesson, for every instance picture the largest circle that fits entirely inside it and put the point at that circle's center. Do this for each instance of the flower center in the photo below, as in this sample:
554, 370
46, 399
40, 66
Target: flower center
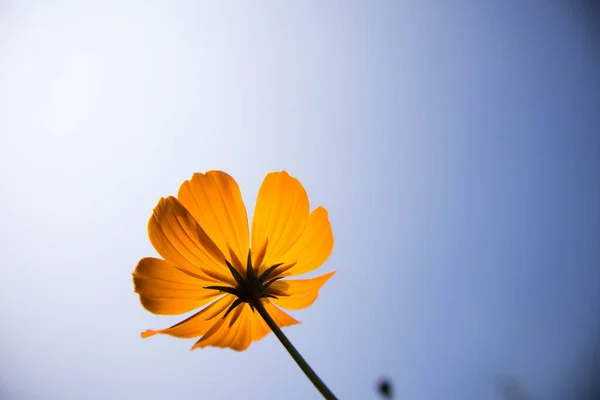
251, 288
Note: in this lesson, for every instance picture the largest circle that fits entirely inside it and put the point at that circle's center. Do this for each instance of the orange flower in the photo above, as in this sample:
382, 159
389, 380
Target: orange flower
204, 240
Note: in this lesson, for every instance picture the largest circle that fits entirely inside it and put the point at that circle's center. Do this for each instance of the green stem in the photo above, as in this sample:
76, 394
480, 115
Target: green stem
314, 378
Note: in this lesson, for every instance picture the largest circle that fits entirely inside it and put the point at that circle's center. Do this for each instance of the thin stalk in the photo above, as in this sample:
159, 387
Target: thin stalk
308, 371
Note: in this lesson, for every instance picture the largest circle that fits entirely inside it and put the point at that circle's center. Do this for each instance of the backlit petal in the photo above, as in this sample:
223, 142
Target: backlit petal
224, 332
166, 290
215, 201
295, 294
179, 239
280, 216
314, 246
243, 326
280, 317
199, 323
260, 328
243, 336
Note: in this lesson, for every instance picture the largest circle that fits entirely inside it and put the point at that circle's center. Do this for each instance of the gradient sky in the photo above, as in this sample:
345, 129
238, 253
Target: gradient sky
455, 144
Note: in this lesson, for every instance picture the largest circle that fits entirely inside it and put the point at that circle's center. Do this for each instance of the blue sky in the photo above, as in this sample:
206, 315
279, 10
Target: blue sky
454, 144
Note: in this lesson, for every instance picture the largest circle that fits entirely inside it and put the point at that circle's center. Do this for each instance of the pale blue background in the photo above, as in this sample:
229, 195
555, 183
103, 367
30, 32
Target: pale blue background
455, 144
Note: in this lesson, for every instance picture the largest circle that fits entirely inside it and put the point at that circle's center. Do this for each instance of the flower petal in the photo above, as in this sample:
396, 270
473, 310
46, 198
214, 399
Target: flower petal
215, 201
225, 332
260, 328
242, 327
280, 317
243, 336
199, 323
314, 246
296, 294
179, 239
279, 217
166, 290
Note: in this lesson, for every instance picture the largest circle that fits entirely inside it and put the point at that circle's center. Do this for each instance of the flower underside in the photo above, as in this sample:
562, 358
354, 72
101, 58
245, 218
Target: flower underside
204, 231
250, 289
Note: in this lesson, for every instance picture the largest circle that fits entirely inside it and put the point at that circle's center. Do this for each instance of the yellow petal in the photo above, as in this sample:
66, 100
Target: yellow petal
280, 317
279, 217
243, 335
242, 327
179, 239
295, 294
260, 329
314, 246
166, 290
215, 201
199, 323
224, 333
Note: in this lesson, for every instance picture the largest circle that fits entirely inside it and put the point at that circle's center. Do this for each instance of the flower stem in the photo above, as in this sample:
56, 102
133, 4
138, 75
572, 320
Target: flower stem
314, 378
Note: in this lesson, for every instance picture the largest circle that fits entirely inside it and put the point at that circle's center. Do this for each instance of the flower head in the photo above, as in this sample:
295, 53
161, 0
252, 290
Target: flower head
209, 257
